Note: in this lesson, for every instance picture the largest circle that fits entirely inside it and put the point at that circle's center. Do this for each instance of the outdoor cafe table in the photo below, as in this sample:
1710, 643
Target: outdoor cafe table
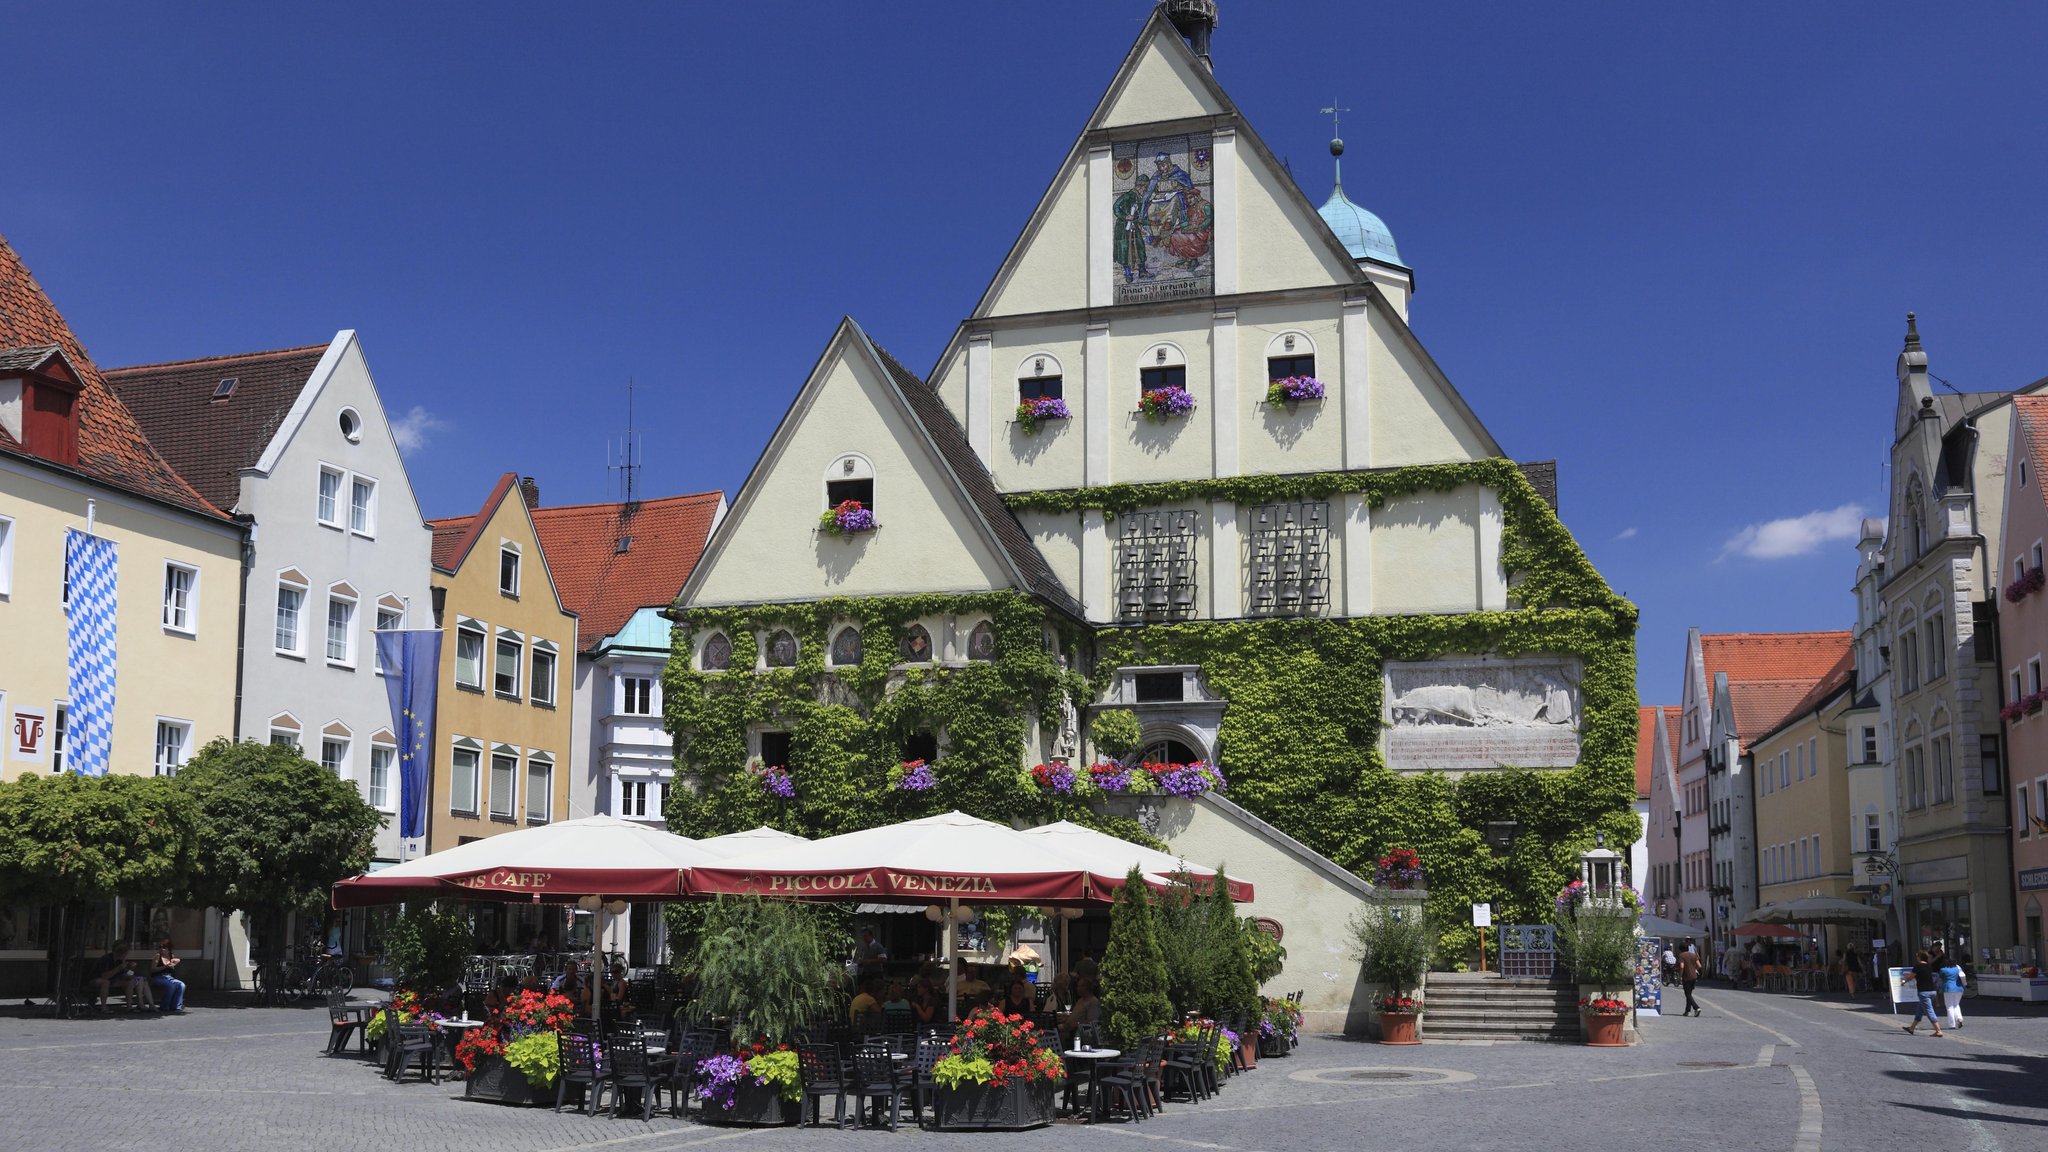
1093, 1056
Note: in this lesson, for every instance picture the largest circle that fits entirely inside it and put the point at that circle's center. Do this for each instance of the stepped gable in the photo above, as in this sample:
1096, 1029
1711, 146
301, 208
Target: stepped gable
112, 446
604, 582
210, 439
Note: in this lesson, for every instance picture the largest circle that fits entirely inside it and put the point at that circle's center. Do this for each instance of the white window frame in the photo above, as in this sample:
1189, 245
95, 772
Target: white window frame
348, 633
344, 764
6, 557
389, 749
625, 698
287, 725
504, 752
326, 511
460, 747
534, 680
368, 528
181, 755
298, 648
186, 620
383, 606
518, 663
60, 721
536, 758
477, 628
511, 548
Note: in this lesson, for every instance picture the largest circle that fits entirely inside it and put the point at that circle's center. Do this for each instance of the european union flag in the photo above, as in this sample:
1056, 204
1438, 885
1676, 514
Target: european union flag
412, 663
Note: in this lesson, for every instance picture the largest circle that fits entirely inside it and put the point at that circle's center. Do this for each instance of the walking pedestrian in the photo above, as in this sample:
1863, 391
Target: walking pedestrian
1926, 982
1688, 976
1670, 966
1953, 981
1852, 967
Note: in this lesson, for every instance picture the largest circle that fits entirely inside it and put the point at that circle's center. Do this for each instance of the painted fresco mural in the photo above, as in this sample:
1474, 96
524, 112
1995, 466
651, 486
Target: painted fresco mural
1164, 218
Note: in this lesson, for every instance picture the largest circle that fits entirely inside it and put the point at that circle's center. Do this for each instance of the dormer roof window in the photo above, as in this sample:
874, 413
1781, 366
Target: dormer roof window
39, 402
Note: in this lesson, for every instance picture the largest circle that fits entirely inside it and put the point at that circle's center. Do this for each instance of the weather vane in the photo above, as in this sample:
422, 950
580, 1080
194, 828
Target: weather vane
1334, 112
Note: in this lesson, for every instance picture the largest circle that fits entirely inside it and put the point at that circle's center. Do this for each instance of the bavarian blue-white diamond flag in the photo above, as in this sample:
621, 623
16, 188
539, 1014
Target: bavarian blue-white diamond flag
412, 665
90, 569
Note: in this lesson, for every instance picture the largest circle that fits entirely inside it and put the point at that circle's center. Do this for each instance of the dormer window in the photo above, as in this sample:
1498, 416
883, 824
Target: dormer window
508, 570
39, 402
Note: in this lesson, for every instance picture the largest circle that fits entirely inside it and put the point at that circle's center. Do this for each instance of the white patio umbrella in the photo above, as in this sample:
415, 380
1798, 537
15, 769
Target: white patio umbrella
752, 840
954, 858
1829, 910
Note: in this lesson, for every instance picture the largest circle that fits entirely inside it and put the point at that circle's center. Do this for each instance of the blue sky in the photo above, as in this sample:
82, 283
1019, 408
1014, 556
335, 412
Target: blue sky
1670, 247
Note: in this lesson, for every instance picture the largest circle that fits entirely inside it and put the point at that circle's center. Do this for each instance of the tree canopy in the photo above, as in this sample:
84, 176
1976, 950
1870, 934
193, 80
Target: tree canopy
275, 830
73, 838
1134, 998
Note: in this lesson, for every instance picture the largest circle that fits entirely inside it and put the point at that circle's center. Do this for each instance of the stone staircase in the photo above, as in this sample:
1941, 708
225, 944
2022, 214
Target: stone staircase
1484, 1006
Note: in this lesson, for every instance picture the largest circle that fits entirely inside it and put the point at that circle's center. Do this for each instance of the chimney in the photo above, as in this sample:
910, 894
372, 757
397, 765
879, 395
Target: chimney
529, 488
1195, 20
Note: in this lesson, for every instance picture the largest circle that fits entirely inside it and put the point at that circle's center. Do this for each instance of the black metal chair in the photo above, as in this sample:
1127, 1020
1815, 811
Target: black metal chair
342, 1020
414, 1042
1186, 1069
579, 1066
930, 1051
899, 1020
627, 1067
1129, 1080
880, 1078
822, 1072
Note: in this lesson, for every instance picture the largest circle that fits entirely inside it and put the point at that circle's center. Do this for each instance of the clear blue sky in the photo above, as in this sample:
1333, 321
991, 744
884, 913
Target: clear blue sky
1671, 247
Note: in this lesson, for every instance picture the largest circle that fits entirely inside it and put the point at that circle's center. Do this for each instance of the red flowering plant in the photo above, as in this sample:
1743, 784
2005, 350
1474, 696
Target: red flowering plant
1603, 1005
1399, 868
1000, 1048
1398, 1002
511, 1033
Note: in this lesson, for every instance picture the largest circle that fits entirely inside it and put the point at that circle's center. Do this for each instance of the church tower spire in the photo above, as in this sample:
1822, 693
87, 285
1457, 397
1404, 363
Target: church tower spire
1363, 234
1195, 20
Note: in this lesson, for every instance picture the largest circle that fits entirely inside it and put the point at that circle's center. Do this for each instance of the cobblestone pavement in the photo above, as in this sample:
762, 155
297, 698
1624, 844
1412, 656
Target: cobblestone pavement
1756, 1072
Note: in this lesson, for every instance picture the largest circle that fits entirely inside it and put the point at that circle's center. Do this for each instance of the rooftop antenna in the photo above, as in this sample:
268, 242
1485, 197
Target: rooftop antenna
622, 457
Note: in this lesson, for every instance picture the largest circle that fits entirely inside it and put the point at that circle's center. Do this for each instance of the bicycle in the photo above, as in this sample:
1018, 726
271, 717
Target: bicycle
330, 976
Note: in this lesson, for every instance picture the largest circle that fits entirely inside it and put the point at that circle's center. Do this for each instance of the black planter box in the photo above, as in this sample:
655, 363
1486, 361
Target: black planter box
1272, 1046
753, 1105
979, 1106
500, 1083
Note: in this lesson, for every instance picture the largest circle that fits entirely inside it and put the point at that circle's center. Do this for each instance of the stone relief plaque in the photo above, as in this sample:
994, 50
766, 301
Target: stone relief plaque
1472, 714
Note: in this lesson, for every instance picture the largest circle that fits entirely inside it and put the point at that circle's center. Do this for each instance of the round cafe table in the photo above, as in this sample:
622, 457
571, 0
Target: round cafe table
1094, 1057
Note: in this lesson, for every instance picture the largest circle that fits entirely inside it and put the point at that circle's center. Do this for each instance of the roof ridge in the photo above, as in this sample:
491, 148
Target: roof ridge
1773, 635
218, 359
715, 492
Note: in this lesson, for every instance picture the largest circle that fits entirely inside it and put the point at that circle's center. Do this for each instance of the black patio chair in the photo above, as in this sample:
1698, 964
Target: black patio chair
1186, 1070
1131, 1079
822, 1072
342, 1020
880, 1079
414, 1042
627, 1067
900, 1043
579, 1066
899, 1020
930, 1051
678, 1068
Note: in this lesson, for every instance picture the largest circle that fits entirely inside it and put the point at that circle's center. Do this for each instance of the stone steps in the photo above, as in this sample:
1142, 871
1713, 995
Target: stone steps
1472, 1006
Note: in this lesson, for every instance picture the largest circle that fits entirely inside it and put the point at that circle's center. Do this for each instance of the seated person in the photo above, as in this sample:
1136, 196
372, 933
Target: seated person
866, 1008
615, 997
895, 1000
115, 972
163, 978
925, 1005
969, 985
1020, 997
1087, 1008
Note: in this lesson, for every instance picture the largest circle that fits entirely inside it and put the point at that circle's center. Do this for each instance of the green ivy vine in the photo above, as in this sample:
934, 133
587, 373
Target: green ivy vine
1300, 738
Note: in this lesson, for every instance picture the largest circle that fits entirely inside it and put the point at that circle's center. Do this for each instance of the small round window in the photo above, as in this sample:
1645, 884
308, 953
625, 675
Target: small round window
351, 425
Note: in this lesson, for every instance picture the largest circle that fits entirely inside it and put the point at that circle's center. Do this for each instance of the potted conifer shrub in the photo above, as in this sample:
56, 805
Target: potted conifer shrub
1394, 944
1134, 1001
1598, 939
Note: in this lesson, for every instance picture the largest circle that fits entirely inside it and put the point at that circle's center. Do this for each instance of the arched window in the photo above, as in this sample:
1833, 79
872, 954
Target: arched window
1040, 377
850, 477
981, 642
1290, 355
1168, 752
717, 653
782, 650
846, 646
915, 645
1162, 366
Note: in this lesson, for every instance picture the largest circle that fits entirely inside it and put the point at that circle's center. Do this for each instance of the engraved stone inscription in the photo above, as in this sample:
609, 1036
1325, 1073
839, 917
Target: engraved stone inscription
1475, 713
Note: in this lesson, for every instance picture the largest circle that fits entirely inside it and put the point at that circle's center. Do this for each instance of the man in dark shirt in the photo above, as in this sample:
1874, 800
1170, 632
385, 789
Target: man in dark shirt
1689, 977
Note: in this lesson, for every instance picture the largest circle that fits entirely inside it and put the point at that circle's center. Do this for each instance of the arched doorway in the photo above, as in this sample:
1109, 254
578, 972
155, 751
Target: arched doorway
1168, 751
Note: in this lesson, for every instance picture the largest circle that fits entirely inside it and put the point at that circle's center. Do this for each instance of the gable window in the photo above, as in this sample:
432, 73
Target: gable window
291, 602
636, 695
1040, 388
508, 570
469, 655
505, 669
504, 783
383, 757
717, 653
462, 774
540, 787
1288, 364
1163, 376
915, 647
334, 755
543, 679
351, 425
838, 492
782, 650
329, 510
181, 608
1039, 378
846, 648
362, 506
341, 630
173, 746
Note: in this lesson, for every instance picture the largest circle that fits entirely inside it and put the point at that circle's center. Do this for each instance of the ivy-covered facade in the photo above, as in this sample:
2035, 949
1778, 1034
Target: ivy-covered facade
911, 574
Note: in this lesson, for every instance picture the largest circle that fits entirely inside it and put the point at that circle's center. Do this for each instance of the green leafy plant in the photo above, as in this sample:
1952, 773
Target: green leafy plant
1599, 944
779, 1070
1394, 945
1267, 956
764, 965
1232, 993
955, 1071
1134, 993
430, 947
537, 1056
1115, 732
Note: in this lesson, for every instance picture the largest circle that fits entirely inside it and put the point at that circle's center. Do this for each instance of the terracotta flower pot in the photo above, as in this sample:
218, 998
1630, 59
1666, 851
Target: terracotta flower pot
1398, 1027
1603, 1030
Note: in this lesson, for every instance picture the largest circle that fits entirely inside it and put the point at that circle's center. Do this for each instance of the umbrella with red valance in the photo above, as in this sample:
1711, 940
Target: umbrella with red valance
1106, 854
598, 856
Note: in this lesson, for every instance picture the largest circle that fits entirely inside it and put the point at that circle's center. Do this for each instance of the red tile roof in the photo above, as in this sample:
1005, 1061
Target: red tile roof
1647, 717
605, 586
1770, 673
1820, 693
211, 441
454, 536
2032, 414
112, 448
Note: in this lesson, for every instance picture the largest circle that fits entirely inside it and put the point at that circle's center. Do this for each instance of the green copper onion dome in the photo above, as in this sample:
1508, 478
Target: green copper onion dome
1364, 235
